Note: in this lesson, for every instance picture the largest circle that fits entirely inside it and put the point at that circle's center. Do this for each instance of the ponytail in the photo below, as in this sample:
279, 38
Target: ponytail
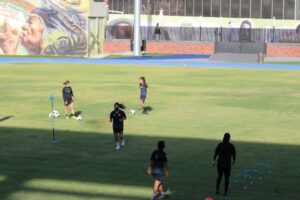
119, 105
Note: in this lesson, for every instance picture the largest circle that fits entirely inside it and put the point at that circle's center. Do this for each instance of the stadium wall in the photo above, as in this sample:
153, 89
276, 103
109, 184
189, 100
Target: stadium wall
161, 47
167, 47
283, 50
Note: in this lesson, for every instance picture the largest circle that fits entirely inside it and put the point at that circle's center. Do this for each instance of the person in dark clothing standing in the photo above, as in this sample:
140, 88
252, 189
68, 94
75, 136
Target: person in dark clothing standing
157, 32
158, 168
226, 154
68, 98
117, 117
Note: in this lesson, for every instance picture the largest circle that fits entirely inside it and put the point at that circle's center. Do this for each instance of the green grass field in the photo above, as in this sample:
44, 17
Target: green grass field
192, 108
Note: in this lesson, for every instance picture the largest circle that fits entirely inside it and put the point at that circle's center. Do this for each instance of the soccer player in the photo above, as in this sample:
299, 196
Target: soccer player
144, 91
68, 97
226, 154
117, 117
158, 168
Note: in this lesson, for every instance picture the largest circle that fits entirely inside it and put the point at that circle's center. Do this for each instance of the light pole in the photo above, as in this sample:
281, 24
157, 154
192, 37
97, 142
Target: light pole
137, 27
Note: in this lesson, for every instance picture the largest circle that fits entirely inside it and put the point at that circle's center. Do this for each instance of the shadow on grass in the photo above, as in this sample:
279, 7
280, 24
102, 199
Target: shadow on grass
148, 108
86, 166
6, 118
77, 113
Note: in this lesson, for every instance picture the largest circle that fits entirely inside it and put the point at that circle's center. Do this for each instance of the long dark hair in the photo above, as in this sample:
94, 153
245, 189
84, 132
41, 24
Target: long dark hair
144, 81
118, 105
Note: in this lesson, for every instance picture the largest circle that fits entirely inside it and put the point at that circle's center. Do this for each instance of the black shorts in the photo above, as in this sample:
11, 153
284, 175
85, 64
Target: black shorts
143, 98
68, 101
118, 128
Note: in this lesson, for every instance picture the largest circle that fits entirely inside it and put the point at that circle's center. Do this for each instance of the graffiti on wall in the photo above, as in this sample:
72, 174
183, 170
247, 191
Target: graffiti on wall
43, 27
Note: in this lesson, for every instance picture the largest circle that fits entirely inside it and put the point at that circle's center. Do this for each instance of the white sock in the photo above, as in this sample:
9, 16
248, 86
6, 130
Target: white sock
154, 196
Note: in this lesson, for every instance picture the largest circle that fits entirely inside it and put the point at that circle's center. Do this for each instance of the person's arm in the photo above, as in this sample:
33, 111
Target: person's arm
149, 170
233, 154
72, 93
166, 169
217, 151
63, 94
148, 90
111, 117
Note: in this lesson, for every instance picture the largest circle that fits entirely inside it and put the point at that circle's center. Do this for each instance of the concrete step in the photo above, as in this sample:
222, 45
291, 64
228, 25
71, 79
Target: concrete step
235, 57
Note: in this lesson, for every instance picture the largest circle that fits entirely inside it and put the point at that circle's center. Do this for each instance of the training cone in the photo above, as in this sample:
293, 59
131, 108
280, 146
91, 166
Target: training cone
208, 198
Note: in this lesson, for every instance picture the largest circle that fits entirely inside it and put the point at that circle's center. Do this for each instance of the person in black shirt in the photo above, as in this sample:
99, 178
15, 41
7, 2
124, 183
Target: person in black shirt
157, 32
226, 154
158, 168
117, 117
68, 98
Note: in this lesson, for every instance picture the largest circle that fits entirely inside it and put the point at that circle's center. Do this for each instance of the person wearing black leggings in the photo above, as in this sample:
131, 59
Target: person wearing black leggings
225, 154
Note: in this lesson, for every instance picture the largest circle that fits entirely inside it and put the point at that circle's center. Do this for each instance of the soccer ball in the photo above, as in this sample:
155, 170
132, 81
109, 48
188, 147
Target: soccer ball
132, 111
79, 118
54, 114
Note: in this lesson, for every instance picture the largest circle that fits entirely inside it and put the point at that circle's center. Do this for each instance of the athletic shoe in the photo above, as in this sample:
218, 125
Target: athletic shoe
165, 196
118, 146
123, 142
74, 117
67, 117
155, 197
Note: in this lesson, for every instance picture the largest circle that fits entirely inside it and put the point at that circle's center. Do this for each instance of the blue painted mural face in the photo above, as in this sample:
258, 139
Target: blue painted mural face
50, 27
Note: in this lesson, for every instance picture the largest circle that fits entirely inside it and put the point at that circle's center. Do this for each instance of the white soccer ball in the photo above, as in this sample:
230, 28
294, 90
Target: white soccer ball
54, 114
79, 118
132, 111
51, 115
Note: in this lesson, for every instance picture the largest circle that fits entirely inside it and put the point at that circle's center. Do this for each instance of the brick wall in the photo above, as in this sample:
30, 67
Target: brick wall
162, 47
283, 50
180, 47
116, 46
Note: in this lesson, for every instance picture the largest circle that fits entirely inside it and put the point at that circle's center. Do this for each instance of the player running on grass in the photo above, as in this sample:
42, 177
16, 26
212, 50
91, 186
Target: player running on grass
68, 97
144, 91
158, 168
117, 117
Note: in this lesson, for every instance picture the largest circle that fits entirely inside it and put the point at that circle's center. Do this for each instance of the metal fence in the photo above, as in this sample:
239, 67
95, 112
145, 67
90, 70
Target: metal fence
218, 34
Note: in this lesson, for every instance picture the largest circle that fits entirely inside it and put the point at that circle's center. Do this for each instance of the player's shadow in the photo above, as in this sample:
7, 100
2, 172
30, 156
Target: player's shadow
6, 118
77, 113
148, 108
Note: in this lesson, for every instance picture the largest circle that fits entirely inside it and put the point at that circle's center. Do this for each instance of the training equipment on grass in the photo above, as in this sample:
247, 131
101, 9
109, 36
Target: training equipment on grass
54, 114
246, 178
132, 111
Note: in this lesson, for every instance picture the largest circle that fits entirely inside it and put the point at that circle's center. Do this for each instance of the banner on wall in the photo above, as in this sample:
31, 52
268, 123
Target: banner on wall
43, 27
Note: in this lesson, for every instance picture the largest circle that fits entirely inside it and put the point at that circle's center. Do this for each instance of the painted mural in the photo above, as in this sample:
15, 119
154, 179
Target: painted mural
43, 27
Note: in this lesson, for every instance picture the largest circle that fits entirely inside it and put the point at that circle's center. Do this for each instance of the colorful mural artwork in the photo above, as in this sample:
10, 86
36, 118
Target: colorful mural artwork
43, 27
